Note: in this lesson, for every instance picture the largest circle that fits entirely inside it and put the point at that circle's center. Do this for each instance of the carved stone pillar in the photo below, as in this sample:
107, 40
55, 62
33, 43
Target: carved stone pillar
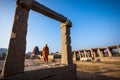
74, 56
93, 53
85, 54
88, 54
66, 41
102, 52
109, 51
14, 61
80, 54
99, 52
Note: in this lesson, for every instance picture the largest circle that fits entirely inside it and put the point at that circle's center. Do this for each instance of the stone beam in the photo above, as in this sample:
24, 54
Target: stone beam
47, 12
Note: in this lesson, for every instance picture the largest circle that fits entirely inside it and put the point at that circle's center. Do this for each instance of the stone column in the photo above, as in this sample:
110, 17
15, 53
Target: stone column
14, 61
118, 47
85, 54
80, 54
102, 52
109, 51
99, 52
66, 41
91, 51
88, 54
93, 54
74, 56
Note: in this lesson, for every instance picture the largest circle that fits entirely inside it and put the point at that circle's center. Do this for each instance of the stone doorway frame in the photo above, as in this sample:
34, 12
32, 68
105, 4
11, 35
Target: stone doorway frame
14, 61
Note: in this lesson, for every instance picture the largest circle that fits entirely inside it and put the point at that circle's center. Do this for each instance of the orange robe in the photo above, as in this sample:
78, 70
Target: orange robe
45, 52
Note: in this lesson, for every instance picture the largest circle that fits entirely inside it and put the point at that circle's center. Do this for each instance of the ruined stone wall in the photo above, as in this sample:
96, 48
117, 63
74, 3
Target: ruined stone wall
59, 73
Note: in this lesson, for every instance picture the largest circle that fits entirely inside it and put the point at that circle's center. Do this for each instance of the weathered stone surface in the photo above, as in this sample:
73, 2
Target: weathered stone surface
58, 73
66, 41
14, 62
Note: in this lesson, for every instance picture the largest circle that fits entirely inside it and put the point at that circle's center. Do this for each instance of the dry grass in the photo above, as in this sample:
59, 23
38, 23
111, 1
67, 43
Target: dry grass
98, 70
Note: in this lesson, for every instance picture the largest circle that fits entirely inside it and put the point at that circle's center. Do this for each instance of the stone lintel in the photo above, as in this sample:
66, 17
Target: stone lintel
47, 12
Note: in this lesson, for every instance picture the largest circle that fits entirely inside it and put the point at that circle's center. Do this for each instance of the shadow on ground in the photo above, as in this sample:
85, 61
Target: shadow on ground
94, 76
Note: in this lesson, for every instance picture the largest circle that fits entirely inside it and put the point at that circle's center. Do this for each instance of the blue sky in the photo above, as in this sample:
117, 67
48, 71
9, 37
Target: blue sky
96, 23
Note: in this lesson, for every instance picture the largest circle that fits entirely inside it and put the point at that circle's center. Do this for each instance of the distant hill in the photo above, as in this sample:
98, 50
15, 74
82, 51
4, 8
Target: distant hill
3, 50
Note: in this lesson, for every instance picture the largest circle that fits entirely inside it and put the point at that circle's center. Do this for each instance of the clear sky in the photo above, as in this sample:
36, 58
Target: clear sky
96, 23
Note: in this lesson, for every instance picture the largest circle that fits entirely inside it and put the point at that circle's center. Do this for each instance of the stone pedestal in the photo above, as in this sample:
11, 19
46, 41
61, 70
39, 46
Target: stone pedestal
14, 61
66, 41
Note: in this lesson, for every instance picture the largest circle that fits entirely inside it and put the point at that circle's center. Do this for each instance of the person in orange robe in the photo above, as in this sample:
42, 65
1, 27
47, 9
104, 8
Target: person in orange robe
45, 53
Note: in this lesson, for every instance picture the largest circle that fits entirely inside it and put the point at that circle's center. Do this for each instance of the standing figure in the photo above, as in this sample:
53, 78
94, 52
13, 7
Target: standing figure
45, 53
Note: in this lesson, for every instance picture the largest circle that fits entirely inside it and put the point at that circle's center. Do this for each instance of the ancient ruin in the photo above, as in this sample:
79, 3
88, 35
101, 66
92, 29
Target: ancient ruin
14, 62
94, 53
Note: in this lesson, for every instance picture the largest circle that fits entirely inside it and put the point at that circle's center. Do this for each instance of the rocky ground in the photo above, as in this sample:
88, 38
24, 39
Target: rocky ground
98, 70
85, 70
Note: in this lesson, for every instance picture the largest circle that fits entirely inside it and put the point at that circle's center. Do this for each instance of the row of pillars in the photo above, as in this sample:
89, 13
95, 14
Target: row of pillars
93, 53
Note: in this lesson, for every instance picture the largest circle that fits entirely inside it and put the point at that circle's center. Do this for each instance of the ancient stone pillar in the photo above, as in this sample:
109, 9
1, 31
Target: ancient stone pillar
118, 47
74, 56
102, 52
85, 54
109, 51
14, 62
99, 52
66, 41
88, 54
93, 53
80, 54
